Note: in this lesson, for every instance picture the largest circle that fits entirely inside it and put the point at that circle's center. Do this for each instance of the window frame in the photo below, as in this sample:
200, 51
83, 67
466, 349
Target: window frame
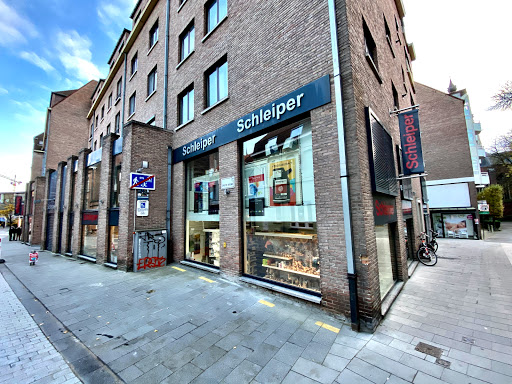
216, 69
208, 7
134, 64
110, 100
117, 123
190, 29
154, 82
153, 35
119, 88
131, 109
190, 98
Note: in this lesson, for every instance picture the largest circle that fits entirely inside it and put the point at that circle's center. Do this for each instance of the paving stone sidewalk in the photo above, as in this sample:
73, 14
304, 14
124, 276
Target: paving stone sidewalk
26, 356
181, 325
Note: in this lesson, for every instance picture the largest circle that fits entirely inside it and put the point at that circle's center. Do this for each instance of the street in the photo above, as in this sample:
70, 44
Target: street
66, 321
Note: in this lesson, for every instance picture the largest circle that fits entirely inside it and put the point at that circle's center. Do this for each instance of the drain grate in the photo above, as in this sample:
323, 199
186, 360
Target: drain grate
429, 349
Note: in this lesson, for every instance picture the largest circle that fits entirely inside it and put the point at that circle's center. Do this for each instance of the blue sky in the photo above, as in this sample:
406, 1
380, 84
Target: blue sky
45, 46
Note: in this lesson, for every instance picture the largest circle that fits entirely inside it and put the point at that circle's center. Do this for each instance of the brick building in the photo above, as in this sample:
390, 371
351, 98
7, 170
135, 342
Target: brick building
274, 153
450, 144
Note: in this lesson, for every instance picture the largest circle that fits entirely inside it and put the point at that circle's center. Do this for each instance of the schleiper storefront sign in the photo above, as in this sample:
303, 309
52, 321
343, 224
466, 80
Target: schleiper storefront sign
304, 99
412, 155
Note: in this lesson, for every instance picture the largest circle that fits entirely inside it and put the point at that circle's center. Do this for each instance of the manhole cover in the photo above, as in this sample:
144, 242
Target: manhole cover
429, 349
443, 363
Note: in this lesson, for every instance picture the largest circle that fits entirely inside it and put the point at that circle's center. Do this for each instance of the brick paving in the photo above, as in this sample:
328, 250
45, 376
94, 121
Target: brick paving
171, 326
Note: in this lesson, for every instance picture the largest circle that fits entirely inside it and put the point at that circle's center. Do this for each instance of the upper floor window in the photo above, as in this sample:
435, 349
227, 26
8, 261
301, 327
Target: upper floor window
152, 81
370, 47
92, 131
187, 41
396, 102
110, 100
186, 107
118, 122
96, 121
134, 64
131, 109
101, 140
388, 36
102, 112
216, 11
153, 35
119, 87
217, 83
108, 128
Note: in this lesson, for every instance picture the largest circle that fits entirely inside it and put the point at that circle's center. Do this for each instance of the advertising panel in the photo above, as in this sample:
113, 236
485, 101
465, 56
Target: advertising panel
412, 155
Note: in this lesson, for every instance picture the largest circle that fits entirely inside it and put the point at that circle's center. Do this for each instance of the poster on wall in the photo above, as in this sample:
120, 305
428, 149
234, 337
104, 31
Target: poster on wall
256, 187
282, 183
458, 226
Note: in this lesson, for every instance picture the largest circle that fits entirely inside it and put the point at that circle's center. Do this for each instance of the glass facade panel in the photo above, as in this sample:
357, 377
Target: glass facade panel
384, 255
116, 180
92, 187
89, 240
202, 244
114, 241
279, 208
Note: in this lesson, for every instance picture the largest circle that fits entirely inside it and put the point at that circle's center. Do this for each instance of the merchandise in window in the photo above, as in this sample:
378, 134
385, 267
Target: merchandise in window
281, 241
202, 238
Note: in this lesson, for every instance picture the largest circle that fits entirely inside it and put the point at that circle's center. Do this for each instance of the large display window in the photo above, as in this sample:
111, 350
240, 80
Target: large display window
279, 208
89, 240
92, 187
386, 258
202, 244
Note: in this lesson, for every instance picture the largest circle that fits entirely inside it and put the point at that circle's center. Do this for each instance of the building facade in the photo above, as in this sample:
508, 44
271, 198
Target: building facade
450, 148
266, 146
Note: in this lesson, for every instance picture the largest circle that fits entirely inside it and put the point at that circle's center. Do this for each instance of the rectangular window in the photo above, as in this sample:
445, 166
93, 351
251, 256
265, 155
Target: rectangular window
396, 102
92, 131
217, 83
116, 180
131, 109
281, 241
92, 187
216, 11
186, 107
95, 145
134, 64
102, 112
110, 100
119, 88
118, 122
187, 41
153, 35
89, 240
114, 244
108, 129
151, 82
203, 236
101, 140
96, 125
370, 47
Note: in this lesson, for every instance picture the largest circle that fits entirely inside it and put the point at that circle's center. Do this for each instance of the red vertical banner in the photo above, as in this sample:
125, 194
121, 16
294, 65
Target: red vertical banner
18, 205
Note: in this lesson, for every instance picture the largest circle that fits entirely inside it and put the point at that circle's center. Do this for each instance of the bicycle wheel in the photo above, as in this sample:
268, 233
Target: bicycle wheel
427, 256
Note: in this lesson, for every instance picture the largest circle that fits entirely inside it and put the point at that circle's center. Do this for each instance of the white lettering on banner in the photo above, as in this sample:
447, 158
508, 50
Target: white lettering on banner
275, 111
199, 145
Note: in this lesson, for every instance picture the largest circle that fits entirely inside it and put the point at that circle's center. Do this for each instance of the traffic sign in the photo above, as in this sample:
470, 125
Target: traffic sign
142, 181
142, 207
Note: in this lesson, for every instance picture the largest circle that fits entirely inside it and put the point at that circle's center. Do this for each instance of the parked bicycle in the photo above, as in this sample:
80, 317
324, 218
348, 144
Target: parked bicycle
432, 242
426, 255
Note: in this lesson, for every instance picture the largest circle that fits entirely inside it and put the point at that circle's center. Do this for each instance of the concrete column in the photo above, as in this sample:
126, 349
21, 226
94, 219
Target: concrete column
58, 197
68, 204
103, 210
27, 214
79, 200
44, 229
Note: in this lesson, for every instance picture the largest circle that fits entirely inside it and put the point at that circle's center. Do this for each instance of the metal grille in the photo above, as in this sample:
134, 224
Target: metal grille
384, 174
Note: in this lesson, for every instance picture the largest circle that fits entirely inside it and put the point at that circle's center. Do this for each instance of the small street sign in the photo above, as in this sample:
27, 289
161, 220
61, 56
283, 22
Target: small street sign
142, 208
142, 181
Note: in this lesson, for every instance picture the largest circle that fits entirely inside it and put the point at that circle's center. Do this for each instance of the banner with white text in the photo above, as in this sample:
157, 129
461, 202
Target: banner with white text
412, 155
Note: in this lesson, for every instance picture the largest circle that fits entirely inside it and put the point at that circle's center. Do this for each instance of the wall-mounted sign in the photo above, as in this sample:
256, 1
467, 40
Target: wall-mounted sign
412, 155
142, 181
227, 183
142, 208
306, 98
384, 210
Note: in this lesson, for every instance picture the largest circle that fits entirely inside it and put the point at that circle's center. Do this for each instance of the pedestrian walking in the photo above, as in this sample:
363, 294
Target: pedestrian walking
18, 233
11, 233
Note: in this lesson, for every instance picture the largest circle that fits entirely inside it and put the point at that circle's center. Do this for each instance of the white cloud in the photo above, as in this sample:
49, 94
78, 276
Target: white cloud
74, 53
14, 28
28, 118
3, 91
115, 16
37, 61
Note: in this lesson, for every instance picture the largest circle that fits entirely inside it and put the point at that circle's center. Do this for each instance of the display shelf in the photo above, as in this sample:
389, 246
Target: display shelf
280, 234
277, 257
291, 271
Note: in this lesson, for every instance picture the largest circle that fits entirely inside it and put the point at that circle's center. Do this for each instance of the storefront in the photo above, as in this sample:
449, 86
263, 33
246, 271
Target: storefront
454, 224
89, 238
279, 235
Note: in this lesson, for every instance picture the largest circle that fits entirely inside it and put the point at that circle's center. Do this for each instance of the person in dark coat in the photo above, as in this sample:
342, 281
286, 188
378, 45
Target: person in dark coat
18, 233
11, 233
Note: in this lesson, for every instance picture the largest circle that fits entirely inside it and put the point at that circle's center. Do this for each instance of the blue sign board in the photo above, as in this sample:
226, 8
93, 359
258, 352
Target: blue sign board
142, 181
304, 99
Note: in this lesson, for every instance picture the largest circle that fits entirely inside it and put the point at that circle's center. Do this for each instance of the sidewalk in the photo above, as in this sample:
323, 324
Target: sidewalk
181, 325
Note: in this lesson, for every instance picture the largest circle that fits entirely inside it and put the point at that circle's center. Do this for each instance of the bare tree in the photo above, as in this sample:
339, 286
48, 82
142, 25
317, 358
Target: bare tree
503, 99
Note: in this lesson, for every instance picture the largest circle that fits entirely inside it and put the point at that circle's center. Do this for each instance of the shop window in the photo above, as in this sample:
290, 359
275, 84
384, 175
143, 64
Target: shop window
89, 240
114, 244
382, 161
217, 83
187, 41
202, 239
386, 258
92, 187
281, 242
116, 180
186, 107
216, 11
